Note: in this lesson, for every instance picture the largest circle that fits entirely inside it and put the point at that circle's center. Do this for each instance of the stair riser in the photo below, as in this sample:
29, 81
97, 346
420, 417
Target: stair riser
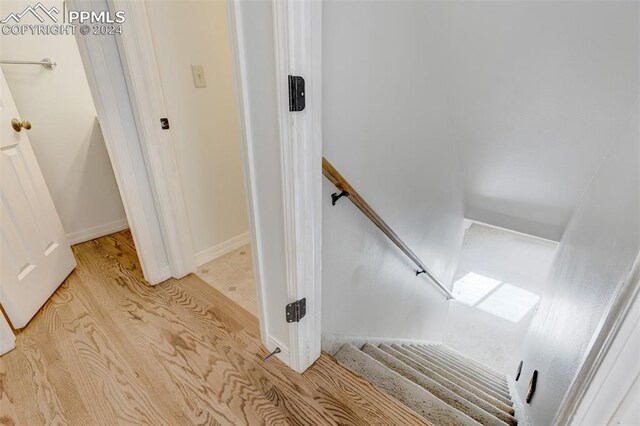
469, 375
472, 362
500, 380
499, 396
452, 387
496, 382
405, 391
437, 390
457, 381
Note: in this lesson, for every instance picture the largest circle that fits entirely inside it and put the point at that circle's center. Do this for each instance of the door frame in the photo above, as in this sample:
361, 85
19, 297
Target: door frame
145, 91
130, 171
297, 34
603, 382
297, 31
298, 49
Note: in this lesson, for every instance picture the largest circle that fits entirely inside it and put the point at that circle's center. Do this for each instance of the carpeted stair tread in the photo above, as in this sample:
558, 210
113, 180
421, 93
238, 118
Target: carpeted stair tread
471, 361
445, 395
410, 394
451, 387
499, 379
496, 393
455, 380
481, 376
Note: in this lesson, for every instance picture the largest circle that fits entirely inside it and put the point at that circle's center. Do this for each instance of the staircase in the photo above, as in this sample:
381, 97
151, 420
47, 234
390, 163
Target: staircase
440, 384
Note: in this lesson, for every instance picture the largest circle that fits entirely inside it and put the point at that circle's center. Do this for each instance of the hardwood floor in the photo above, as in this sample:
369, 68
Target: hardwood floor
108, 349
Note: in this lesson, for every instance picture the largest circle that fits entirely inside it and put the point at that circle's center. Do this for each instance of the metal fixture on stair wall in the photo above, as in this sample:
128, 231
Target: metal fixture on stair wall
532, 386
335, 197
519, 371
347, 190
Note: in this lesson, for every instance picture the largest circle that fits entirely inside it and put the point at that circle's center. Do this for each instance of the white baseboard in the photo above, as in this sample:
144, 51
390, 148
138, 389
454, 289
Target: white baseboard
221, 249
97, 231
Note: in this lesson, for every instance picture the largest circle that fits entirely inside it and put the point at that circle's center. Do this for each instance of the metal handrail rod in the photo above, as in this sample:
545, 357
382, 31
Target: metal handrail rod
347, 190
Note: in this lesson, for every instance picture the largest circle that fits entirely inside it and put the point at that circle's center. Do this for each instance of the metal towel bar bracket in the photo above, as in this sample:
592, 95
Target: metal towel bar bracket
47, 63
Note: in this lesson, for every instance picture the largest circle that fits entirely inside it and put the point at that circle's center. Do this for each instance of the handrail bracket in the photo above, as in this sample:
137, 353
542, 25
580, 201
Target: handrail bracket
335, 197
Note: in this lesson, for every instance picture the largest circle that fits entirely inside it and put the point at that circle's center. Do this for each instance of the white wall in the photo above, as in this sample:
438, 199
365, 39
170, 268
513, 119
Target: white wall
384, 129
594, 256
66, 137
510, 258
537, 91
204, 123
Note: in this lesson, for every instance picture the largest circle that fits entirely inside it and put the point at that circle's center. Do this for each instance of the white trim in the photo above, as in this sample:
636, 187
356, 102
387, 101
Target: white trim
145, 91
297, 32
488, 225
607, 346
221, 249
131, 184
301, 179
616, 377
238, 51
97, 231
7, 338
164, 273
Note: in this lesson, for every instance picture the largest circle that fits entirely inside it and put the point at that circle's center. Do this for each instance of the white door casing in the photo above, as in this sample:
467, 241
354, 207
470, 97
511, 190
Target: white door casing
35, 255
7, 338
298, 36
292, 37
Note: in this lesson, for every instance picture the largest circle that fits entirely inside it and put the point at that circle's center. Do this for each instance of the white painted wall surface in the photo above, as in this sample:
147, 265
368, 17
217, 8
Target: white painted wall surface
385, 130
66, 136
537, 92
204, 122
594, 256
263, 155
509, 258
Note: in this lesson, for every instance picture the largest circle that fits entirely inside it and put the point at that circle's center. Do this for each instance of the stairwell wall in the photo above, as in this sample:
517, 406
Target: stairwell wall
384, 129
594, 257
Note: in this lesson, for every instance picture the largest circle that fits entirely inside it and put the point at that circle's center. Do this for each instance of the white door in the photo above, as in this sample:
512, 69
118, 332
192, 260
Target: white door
34, 254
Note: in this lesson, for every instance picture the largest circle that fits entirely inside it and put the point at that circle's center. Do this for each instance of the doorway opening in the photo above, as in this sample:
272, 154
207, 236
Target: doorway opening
195, 67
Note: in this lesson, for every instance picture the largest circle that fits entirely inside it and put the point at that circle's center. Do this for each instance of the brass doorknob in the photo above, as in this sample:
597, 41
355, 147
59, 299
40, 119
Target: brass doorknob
19, 125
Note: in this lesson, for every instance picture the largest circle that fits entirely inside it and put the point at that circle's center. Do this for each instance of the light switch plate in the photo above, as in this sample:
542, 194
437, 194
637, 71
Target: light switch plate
198, 76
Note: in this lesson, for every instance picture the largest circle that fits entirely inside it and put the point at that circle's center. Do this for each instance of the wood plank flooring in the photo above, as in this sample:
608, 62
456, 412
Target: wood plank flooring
108, 349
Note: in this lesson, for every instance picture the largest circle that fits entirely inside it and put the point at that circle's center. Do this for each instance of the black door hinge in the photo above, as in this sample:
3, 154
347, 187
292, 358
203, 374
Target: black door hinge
296, 93
296, 311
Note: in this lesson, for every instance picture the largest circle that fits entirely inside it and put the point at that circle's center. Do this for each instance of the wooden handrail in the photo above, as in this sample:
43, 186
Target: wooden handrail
347, 190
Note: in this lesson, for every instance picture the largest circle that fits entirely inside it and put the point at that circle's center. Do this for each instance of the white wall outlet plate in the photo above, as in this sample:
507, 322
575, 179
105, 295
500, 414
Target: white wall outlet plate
198, 76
